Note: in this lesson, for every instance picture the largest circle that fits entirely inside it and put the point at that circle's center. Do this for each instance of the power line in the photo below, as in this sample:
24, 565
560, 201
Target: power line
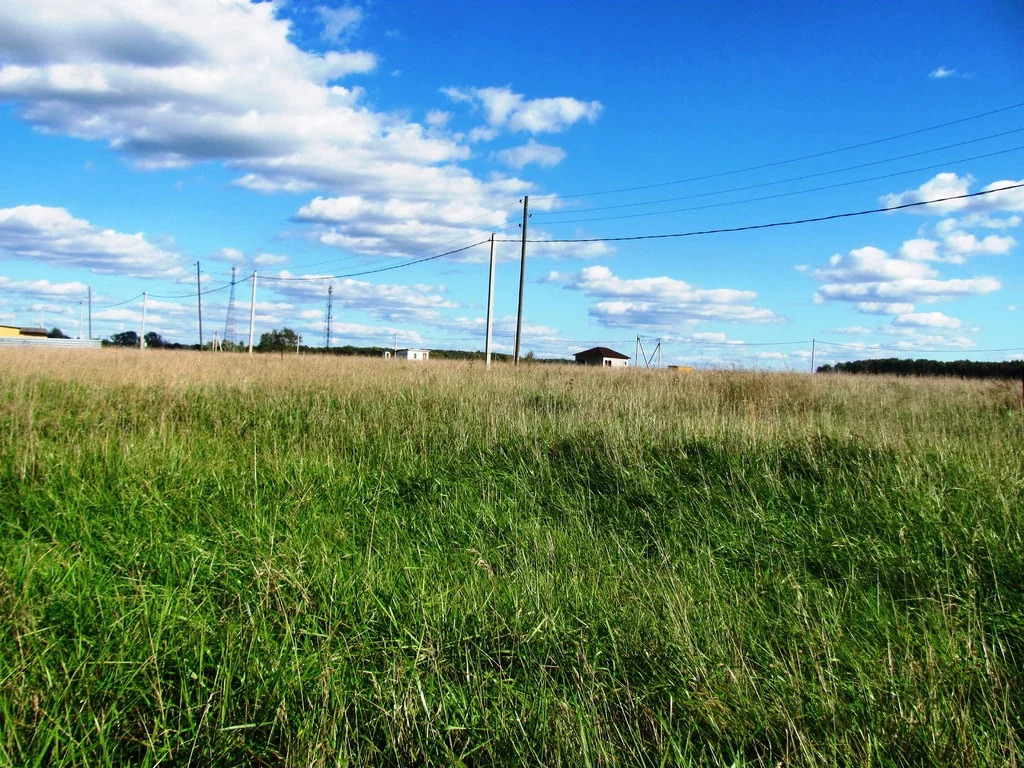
379, 269
750, 227
837, 185
419, 239
200, 293
118, 304
799, 178
777, 163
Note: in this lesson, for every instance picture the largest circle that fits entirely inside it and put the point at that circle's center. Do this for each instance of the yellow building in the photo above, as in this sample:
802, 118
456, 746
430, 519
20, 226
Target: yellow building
13, 331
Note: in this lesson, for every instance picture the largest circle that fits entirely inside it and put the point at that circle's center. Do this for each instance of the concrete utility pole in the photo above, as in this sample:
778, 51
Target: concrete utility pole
252, 310
812, 355
199, 299
90, 313
490, 305
142, 334
522, 281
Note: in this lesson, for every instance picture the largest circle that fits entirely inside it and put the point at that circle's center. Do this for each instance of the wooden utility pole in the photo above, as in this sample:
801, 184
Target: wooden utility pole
522, 282
199, 299
252, 310
490, 305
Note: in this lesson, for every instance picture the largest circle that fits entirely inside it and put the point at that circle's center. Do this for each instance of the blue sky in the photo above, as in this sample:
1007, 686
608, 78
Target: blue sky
314, 141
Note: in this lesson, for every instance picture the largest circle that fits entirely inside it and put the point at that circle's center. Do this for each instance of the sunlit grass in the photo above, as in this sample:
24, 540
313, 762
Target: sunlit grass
217, 559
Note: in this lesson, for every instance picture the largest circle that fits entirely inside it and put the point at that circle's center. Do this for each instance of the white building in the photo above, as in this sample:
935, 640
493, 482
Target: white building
602, 356
408, 354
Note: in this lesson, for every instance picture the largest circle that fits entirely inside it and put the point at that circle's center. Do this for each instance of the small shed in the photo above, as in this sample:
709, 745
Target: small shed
602, 356
418, 355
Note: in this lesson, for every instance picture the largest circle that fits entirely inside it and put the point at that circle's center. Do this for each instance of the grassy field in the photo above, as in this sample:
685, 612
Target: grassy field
217, 560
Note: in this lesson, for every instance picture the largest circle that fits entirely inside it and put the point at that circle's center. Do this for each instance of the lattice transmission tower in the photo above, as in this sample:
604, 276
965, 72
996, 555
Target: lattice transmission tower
330, 310
229, 322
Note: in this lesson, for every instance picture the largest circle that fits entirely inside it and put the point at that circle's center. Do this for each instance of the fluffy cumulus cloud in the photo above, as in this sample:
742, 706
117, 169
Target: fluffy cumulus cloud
42, 288
54, 236
881, 284
945, 185
392, 302
171, 83
506, 110
662, 303
942, 73
532, 153
926, 320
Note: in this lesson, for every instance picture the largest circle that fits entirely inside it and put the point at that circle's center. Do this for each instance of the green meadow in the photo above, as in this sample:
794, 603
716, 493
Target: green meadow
212, 559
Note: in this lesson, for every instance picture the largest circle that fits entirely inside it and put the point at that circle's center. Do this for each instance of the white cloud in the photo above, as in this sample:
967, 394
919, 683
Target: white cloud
926, 320
438, 118
54, 236
230, 255
269, 260
393, 302
941, 186
884, 308
339, 23
660, 302
945, 185
171, 83
962, 244
941, 73
910, 338
854, 330
42, 288
873, 279
372, 335
955, 245
532, 153
504, 109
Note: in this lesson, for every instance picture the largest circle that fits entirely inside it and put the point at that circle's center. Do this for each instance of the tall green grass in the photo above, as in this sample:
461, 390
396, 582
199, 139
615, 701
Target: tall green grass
216, 560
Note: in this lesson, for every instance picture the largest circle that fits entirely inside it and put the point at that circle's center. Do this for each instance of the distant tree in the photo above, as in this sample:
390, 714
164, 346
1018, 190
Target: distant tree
57, 333
154, 340
124, 339
277, 340
970, 369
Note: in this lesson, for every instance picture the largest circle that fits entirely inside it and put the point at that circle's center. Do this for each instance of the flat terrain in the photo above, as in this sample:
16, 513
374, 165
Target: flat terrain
221, 560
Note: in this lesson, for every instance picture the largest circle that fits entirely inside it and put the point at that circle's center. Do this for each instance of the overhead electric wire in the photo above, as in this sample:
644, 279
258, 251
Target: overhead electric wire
413, 240
799, 178
749, 227
201, 293
779, 195
117, 304
788, 161
379, 269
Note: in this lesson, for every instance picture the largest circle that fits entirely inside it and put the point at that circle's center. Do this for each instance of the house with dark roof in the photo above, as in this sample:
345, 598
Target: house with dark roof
602, 356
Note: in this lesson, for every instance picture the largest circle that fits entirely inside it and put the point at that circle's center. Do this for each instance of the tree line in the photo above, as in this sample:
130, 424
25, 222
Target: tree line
968, 369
